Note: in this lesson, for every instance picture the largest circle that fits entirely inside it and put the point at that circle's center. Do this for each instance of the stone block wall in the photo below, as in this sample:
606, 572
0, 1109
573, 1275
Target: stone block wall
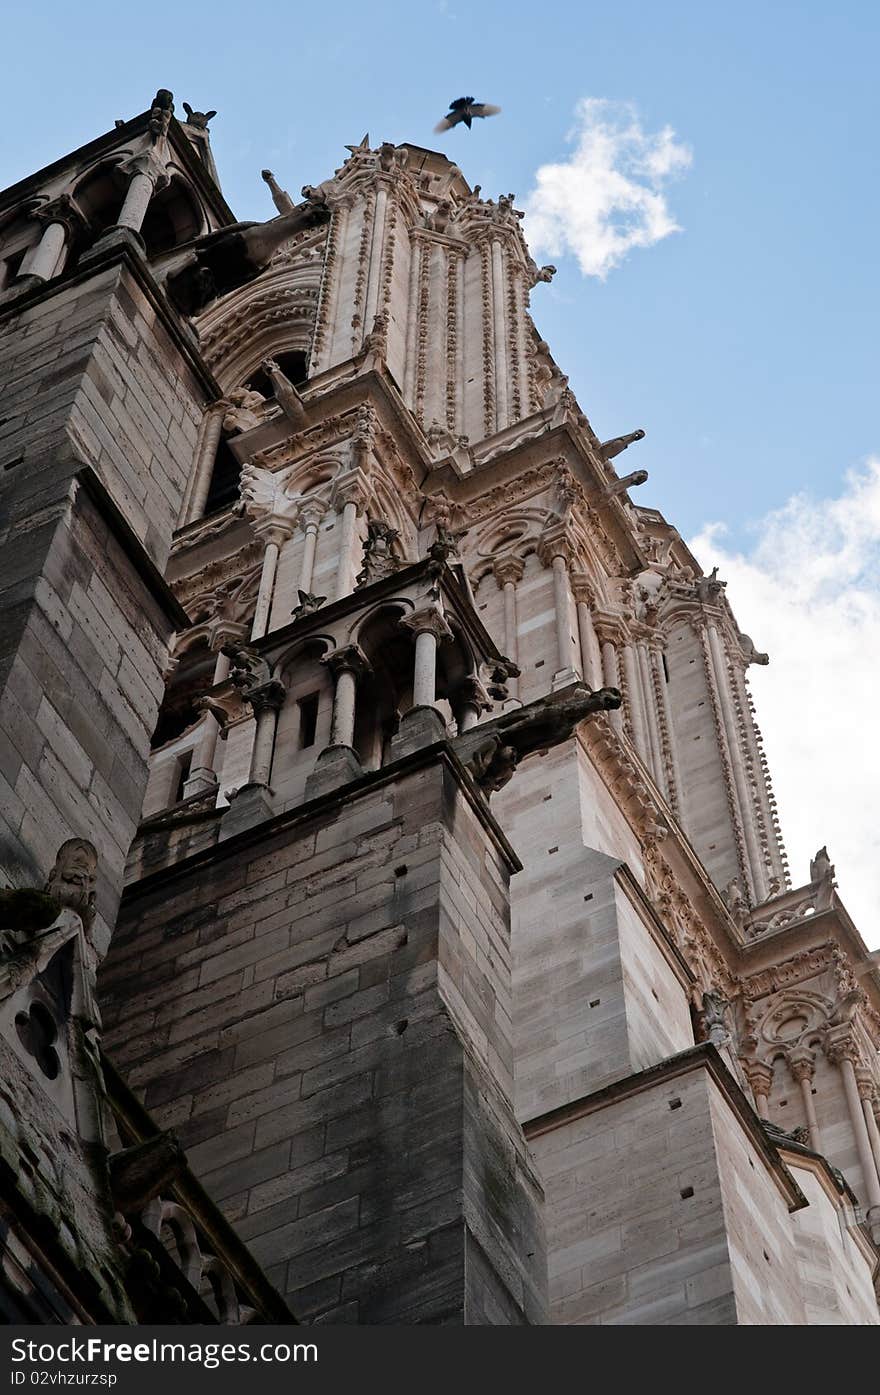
92, 379
835, 1264
588, 971
661, 1210
322, 1012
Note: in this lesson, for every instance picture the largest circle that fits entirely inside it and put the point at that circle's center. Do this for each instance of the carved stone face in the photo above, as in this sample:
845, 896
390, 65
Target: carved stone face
73, 878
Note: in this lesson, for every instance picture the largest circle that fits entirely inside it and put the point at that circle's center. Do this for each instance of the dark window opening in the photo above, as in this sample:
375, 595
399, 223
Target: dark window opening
665, 667
193, 677
308, 720
225, 479
12, 266
100, 197
294, 365
171, 219
184, 766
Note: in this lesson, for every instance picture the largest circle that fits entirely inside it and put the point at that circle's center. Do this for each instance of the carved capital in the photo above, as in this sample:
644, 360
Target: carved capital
866, 1084
350, 659
760, 1076
352, 487
62, 210
555, 542
311, 512
508, 568
429, 620
275, 528
267, 697
802, 1063
841, 1045
583, 589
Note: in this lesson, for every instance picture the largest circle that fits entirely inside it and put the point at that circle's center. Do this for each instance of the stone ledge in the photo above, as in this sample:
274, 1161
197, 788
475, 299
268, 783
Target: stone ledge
440, 753
706, 1057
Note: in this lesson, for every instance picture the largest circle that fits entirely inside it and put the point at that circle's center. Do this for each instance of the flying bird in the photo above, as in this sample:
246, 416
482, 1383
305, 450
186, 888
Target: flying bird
465, 109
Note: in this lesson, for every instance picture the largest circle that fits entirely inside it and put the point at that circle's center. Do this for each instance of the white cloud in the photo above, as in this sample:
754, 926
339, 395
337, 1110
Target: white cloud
808, 591
608, 196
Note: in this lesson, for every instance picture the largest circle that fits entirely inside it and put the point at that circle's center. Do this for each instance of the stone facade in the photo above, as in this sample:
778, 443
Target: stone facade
456, 941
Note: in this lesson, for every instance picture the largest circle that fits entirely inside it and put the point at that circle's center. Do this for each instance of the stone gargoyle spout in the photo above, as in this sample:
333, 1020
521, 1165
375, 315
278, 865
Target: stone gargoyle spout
492, 751
220, 261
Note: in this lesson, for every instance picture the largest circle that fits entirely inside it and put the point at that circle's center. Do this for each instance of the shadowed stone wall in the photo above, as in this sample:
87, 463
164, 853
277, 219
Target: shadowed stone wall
323, 1013
100, 404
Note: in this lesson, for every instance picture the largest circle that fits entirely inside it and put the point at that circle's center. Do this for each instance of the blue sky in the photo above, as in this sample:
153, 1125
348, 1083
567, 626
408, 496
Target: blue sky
745, 344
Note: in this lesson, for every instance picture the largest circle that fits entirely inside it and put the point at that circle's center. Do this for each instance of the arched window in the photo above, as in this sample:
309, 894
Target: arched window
225, 479
294, 365
172, 218
193, 676
100, 195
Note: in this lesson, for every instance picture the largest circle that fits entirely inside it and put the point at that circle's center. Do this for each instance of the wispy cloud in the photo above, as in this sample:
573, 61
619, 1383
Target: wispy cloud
808, 591
608, 196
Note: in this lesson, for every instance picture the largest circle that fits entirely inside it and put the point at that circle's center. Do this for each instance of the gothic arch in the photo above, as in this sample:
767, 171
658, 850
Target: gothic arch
273, 314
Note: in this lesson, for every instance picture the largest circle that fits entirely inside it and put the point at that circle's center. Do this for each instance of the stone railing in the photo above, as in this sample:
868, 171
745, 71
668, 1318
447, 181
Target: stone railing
182, 1245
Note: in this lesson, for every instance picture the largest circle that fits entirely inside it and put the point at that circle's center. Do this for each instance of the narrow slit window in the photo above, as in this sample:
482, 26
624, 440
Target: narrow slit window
308, 720
184, 766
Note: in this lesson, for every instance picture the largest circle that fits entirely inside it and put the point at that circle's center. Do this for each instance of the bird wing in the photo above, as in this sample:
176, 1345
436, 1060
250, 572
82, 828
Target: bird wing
449, 121
484, 109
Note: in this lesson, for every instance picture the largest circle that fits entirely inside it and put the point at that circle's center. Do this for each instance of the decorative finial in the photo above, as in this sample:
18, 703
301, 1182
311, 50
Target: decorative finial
363, 147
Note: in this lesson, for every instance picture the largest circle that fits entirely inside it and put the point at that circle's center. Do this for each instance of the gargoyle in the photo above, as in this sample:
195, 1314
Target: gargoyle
286, 395
198, 119
617, 444
492, 751
220, 261
139, 1173
248, 669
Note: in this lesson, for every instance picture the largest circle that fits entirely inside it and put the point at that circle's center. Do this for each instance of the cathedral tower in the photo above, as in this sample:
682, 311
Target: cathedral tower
457, 943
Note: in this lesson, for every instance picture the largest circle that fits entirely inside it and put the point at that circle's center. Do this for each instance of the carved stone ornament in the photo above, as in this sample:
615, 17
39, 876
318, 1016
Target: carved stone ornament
249, 670
308, 602
73, 878
379, 560
491, 752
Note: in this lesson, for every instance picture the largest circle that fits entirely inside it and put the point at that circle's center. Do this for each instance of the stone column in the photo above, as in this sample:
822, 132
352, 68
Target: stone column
252, 803
274, 531
137, 196
499, 332
554, 551
740, 778
865, 1083
610, 670
60, 219
802, 1064
655, 748
266, 702
347, 665
423, 723
203, 470
634, 703
202, 776
429, 628
842, 1050
472, 701
310, 516
508, 572
338, 763
349, 498
672, 774
760, 1078
591, 659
